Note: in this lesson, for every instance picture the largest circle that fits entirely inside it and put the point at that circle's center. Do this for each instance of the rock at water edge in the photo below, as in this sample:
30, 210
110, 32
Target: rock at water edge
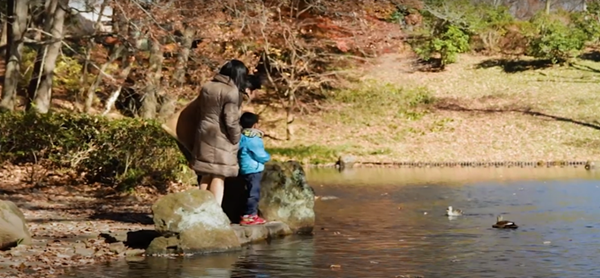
287, 197
345, 162
191, 222
13, 229
591, 165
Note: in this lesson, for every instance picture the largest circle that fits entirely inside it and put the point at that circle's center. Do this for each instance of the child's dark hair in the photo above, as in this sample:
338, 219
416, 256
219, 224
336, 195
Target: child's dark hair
248, 119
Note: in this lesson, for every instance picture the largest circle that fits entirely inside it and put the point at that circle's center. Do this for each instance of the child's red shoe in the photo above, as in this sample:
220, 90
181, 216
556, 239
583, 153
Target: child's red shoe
252, 220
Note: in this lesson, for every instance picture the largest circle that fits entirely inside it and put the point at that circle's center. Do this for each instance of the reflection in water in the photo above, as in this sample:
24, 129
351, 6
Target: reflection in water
219, 265
381, 230
447, 176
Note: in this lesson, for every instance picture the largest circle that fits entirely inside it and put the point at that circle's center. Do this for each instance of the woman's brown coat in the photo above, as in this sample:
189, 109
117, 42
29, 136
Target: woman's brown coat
218, 131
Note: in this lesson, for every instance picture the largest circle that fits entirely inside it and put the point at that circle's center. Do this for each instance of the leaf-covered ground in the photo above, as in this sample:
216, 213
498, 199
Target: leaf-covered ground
485, 109
67, 220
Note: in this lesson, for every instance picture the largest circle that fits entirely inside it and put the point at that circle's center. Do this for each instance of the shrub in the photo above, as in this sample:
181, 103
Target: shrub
453, 27
588, 21
446, 40
27, 63
555, 39
124, 152
67, 72
488, 25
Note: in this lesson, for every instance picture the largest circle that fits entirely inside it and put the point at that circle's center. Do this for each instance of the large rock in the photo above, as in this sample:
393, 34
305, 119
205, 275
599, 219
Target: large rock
287, 197
191, 222
255, 233
13, 230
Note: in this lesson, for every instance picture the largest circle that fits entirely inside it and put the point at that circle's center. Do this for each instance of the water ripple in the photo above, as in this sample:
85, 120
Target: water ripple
370, 234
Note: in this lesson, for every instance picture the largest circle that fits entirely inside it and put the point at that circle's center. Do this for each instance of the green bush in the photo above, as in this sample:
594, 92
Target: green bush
27, 63
452, 27
447, 41
589, 21
485, 17
67, 72
555, 39
125, 152
488, 25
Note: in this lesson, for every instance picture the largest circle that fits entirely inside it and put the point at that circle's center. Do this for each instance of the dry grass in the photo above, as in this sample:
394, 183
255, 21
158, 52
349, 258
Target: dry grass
480, 114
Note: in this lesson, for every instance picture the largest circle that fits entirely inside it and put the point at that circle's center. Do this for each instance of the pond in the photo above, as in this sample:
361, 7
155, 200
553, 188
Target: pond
391, 223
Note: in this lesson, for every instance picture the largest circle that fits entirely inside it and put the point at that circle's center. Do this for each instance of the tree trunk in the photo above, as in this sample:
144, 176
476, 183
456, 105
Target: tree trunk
166, 101
548, 4
4, 38
121, 27
40, 85
114, 54
17, 25
88, 52
127, 63
153, 76
289, 119
183, 56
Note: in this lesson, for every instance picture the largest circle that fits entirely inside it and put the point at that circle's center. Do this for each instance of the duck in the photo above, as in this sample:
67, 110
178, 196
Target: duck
504, 224
453, 212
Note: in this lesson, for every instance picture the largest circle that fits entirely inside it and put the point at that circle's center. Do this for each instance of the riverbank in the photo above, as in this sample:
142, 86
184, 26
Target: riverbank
81, 224
67, 223
74, 224
481, 109
73, 228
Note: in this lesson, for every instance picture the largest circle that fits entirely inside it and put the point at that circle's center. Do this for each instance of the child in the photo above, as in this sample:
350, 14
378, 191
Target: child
252, 158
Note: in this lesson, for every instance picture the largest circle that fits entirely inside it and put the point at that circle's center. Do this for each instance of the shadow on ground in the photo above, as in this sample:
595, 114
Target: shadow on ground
593, 56
431, 65
515, 65
140, 239
125, 217
453, 106
585, 68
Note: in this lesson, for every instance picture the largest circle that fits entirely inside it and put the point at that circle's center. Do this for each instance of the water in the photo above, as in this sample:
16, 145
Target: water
390, 223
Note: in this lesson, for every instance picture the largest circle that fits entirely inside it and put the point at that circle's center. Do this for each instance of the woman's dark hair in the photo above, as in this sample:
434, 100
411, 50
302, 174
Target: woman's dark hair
254, 82
248, 119
238, 72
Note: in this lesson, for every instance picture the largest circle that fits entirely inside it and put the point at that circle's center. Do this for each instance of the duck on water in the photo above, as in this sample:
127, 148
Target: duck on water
453, 212
504, 224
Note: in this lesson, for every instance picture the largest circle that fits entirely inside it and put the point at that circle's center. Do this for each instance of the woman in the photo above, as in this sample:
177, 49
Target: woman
218, 131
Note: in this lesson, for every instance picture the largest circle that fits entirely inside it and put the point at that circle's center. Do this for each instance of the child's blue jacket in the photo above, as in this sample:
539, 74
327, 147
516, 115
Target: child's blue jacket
252, 155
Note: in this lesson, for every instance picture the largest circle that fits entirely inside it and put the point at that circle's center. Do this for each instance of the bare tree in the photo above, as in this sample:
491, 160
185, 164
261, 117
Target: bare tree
17, 25
292, 68
40, 86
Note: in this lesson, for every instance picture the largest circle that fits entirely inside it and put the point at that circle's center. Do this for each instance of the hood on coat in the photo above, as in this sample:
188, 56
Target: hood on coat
226, 80
252, 132
223, 79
